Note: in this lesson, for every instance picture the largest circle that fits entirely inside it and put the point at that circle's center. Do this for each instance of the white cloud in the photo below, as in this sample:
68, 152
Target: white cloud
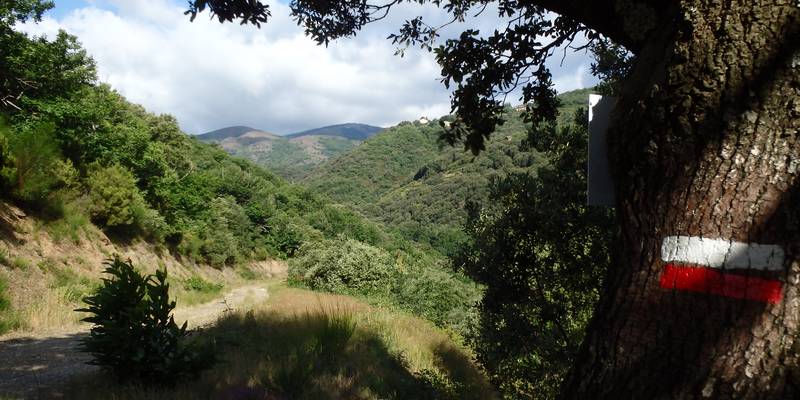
211, 75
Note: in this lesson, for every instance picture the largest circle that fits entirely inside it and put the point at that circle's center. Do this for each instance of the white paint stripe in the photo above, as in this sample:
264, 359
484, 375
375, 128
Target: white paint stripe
719, 253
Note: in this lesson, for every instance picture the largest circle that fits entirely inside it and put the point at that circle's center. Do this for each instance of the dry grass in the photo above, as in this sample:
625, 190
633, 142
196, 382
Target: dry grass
44, 295
308, 345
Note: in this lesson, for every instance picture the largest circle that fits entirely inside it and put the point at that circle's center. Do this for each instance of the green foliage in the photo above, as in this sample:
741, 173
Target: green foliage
6, 160
13, 11
376, 166
8, 319
138, 176
344, 266
403, 180
134, 334
438, 295
350, 267
36, 166
72, 223
142, 177
198, 284
70, 285
38, 69
541, 253
19, 263
114, 196
5, 304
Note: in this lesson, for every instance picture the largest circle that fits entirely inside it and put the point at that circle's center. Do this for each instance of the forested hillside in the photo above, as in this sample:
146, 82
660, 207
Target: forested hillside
351, 131
404, 179
292, 156
75, 152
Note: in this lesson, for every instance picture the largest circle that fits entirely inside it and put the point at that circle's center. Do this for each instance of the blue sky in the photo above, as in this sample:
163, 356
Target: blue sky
210, 75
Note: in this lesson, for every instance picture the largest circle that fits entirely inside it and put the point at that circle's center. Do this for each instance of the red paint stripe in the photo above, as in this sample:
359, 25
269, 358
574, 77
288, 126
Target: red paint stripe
707, 280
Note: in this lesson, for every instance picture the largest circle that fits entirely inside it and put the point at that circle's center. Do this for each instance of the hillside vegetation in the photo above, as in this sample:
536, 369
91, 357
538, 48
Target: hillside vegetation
403, 179
75, 154
291, 156
306, 345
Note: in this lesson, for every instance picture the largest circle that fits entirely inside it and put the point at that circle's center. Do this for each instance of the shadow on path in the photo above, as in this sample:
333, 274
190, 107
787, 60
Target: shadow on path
31, 367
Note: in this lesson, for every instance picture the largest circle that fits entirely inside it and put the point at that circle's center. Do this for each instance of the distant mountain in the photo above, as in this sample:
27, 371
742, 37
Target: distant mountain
347, 131
229, 132
291, 156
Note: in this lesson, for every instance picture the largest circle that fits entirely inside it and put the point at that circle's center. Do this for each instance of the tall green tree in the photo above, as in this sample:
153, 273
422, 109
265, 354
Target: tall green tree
703, 143
541, 254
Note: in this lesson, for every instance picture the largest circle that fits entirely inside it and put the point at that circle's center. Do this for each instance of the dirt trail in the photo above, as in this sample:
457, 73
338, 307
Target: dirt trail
30, 366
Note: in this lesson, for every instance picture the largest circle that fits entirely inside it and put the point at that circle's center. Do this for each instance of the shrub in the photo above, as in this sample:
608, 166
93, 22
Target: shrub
134, 334
344, 266
35, 155
114, 196
440, 296
199, 284
150, 223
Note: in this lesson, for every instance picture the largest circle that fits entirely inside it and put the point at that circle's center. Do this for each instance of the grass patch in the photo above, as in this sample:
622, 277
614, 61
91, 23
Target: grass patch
8, 318
198, 284
4, 257
19, 263
197, 290
305, 345
69, 285
246, 273
72, 223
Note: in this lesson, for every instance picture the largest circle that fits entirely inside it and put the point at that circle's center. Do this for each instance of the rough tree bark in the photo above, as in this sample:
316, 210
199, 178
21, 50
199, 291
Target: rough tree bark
705, 143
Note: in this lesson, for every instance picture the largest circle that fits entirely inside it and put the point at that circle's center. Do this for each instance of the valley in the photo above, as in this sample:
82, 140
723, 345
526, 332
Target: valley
294, 155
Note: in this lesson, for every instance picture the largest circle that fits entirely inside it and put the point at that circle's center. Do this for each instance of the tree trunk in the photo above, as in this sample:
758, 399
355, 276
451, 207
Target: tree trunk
705, 144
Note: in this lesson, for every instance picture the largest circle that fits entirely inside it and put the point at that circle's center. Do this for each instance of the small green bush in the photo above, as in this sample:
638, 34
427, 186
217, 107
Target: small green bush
199, 284
114, 196
134, 334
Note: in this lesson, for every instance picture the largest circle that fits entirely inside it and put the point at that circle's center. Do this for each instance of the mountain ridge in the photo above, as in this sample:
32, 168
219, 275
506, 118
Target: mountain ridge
350, 130
290, 156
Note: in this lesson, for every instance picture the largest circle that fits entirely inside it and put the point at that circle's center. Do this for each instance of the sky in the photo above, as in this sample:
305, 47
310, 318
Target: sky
211, 75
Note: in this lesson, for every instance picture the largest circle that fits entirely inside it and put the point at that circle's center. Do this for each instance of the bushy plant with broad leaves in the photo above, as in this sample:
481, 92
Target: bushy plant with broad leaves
344, 266
134, 335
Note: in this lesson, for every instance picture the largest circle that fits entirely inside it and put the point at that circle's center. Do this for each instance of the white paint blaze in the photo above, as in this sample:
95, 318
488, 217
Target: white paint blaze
721, 253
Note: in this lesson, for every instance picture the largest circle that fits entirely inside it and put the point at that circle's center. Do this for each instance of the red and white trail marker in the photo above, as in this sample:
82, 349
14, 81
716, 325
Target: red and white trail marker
705, 265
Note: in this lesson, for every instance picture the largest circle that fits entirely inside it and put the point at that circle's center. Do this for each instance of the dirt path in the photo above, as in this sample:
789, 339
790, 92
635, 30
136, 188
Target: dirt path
31, 365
